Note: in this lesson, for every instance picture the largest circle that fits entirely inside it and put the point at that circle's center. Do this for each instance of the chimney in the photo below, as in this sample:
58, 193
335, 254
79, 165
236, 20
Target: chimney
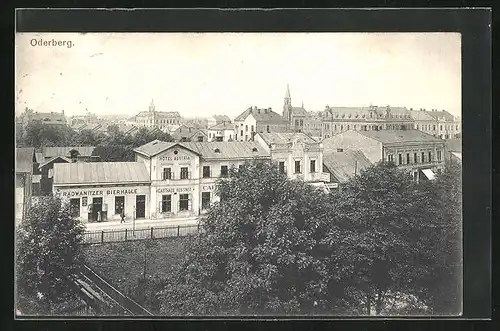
258, 111
265, 110
63, 111
255, 107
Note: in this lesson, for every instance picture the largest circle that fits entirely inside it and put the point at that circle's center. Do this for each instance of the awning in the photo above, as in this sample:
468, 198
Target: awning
429, 174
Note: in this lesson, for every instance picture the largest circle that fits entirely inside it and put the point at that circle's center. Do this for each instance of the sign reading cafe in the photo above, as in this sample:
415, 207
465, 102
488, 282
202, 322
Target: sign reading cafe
96, 192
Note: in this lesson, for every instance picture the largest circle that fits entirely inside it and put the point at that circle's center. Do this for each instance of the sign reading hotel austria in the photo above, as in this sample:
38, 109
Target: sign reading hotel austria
174, 158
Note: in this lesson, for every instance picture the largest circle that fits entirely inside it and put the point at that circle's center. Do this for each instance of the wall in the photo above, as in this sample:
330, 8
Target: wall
86, 194
246, 127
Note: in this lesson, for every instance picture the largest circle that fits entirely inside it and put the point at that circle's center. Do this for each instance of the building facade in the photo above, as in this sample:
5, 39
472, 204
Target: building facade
221, 132
217, 119
297, 155
183, 175
52, 118
440, 124
418, 153
158, 119
99, 191
256, 120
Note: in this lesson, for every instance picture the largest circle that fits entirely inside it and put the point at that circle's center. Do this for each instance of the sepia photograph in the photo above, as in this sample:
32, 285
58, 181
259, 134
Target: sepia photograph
238, 174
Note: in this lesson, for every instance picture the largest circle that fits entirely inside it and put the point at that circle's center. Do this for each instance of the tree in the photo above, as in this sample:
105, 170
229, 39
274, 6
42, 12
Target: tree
114, 153
47, 253
444, 244
387, 223
263, 251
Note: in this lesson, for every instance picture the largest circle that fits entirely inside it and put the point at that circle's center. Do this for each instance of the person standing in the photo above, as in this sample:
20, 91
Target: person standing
122, 215
99, 216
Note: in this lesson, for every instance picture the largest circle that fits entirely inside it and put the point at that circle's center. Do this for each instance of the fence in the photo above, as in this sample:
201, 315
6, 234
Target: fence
109, 236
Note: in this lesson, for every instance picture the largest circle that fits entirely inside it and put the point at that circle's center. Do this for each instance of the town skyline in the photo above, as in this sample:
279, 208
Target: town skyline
100, 72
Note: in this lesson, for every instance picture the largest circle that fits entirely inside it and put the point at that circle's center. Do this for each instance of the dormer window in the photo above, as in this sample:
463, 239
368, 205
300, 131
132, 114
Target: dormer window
217, 150
254, 149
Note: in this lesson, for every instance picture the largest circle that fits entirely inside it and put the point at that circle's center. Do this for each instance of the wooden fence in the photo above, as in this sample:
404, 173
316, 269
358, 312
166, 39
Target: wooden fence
109, 236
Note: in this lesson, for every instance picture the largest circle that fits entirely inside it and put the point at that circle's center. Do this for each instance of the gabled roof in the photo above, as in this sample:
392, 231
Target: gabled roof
207, 150
222, 126
100, 172
262, 115
227, 150
52, 159
343, 165
299, 111
123, 128
24, 159
419, 115
395, 136
221, 118
441, 114
49, 152
285, 137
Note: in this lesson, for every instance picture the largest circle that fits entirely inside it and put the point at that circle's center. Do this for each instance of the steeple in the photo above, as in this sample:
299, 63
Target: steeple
152, 106
287, 105
302, 104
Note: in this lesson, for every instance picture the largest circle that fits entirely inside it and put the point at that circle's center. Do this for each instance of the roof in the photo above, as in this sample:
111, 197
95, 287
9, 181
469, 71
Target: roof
285, 137
222, 126
52, 159
395, 136
206, 150
100, 172
441, 114
24, 159
48, 118
299, 111
169, 114
221, 118
124, 128
227, 150
458, 155
344, 164
261, 115
454, 145
364, 112
49, 152
419, 115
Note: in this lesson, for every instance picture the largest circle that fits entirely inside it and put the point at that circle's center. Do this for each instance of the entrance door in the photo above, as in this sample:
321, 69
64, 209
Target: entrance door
97, 209
140, 206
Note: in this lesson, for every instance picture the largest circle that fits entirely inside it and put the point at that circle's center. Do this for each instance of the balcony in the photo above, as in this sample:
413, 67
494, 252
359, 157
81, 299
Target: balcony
176, 176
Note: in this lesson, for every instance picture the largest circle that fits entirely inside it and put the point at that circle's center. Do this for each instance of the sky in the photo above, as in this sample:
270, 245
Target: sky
202, 74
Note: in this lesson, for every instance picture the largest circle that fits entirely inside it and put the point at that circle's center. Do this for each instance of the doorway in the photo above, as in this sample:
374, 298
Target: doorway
140, 206
96, 209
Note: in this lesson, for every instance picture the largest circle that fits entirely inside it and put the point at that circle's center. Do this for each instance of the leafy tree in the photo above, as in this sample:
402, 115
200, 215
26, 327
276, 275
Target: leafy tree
444, 243
388, 223
114, 153
47, 253
87, 138
263, 251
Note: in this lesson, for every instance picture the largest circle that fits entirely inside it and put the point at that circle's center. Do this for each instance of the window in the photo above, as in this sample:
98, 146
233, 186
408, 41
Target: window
205, 200
267, 128
119, 204
415, 158
167, 173
439, 156
206, 171
74, 207
251, 129
341, 127
184, 173
457, 128
434, 127
223, 171
183, 202
430, 156
313, 166
246, 137
423, 157
200, 138
246, 128
281, 167
400, 159
166, 203
390, 158
441, 127
407, 158
301, 123
347, 126
297, 167
241, 133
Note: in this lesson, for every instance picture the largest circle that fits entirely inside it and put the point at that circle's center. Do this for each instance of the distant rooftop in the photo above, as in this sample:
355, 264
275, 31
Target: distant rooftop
285, 137
266, 115
393, 136
49, 152
344, 165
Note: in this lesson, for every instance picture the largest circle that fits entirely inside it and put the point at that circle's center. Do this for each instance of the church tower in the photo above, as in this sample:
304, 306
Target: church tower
287, 105
152, 106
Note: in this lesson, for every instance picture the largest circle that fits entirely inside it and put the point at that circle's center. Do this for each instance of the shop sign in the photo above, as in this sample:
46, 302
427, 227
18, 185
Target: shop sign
175, 158
174, 189
208, 187
96, 192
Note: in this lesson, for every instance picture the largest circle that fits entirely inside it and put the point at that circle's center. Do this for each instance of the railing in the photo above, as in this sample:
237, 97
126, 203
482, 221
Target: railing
109, 236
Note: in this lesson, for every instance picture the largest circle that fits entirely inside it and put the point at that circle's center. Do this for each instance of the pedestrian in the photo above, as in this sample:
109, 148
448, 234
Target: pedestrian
98, 216
122, 215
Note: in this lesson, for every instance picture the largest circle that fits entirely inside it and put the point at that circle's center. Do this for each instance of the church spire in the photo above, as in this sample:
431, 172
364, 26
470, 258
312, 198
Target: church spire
287, 94
152, 105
